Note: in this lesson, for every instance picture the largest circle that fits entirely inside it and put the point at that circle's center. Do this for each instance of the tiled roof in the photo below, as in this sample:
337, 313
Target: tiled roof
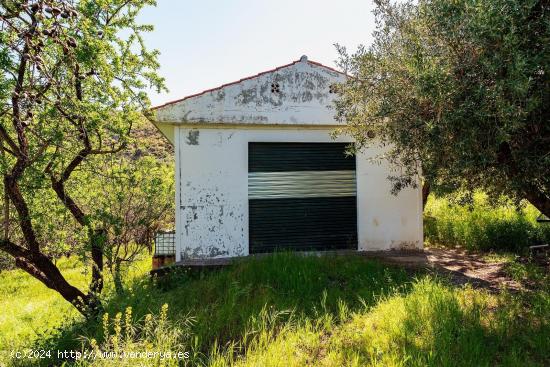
303, 58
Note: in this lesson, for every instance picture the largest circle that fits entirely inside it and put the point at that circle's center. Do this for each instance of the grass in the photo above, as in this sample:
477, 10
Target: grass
31, 312
432, 325
482, 226
222, 303
289, 310
528, 273
29, 309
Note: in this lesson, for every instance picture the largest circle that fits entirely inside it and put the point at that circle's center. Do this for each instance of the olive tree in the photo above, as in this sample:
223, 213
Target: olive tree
458, 90
72, 81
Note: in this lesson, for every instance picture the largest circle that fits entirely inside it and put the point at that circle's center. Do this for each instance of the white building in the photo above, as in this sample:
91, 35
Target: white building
257, 169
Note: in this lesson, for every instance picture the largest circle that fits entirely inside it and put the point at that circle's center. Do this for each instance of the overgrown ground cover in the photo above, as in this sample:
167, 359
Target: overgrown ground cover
28, 308
30, 312
290, 310
482, 226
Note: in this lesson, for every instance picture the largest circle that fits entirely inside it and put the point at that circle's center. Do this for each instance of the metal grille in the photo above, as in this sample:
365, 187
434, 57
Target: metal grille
165, 244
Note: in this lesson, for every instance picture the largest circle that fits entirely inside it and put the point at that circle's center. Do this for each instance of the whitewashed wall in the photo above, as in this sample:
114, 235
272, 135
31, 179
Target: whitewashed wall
210, 132
212, 197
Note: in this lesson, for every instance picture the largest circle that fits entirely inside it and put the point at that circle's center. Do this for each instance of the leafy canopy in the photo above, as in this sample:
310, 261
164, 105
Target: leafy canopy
461, 86
72, 83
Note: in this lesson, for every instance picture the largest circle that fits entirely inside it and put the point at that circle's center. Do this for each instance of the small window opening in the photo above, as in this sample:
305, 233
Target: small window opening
275, 88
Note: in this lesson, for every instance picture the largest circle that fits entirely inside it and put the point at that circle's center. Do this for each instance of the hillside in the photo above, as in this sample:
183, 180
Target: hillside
287, 310
148, 140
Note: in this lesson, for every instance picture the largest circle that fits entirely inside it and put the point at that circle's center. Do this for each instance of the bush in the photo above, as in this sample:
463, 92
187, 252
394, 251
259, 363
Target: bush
6, 262
482, 226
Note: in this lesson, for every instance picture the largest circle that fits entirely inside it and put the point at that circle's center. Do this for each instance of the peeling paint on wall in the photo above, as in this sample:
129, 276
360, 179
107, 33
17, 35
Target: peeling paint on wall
213, 209
220, 95
212, 182
193, 137
303, 98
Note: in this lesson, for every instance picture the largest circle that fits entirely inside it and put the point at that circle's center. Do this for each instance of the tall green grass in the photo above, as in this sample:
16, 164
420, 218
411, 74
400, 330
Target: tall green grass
292, 310
223, 303
31, 313
28, 310
155, 341
432, 325
482, 226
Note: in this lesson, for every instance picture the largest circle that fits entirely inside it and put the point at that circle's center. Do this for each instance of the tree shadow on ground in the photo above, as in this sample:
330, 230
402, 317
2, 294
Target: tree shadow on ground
463, 329
222, 302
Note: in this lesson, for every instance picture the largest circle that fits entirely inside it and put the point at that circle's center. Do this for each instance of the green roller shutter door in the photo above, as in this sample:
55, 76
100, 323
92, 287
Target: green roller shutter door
302, 196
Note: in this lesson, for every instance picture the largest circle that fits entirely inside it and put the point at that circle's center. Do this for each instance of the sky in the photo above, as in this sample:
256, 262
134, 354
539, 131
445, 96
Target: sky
207, 43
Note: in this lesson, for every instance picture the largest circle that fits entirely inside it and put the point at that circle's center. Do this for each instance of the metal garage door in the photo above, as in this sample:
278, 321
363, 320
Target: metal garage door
302, 196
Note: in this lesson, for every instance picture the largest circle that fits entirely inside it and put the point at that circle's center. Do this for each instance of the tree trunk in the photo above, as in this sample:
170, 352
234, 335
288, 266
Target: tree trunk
34, 262
20, 205
6, 214
53, 279
539, 201
97, 240
530, 191
42, 268
117, 278
425, 193
6, 222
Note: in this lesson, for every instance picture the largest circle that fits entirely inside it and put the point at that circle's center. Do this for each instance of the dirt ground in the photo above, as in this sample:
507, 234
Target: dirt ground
471, 268
461, 266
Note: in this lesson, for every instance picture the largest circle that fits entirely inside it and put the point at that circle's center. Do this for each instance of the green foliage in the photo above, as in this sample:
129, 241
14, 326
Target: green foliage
81, 77
461, 86
326, 312
73, 81
432, 325
129, 195
130, 198
482, 226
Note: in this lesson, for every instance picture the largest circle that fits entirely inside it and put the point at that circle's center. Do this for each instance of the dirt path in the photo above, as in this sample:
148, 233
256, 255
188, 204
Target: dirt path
462, 267
471, 268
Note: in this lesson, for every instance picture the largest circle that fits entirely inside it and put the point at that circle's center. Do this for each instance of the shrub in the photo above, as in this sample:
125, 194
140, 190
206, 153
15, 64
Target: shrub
483, 226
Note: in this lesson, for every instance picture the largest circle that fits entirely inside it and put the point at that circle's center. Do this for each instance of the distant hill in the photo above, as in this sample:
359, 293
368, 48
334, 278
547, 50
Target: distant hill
147, 140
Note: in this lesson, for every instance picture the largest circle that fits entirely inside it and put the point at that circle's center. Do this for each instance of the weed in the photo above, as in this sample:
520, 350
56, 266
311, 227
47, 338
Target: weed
482, 226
